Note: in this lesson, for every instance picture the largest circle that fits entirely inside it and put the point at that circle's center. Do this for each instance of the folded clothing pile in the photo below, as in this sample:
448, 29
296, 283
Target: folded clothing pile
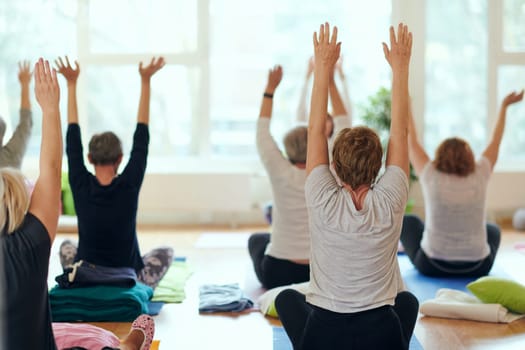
171, 287
223, 298
100, 303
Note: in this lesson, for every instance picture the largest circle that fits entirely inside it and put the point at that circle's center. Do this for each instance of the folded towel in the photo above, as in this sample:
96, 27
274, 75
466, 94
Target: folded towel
450, 303
171, 287
98, 304
85, 274
223, 298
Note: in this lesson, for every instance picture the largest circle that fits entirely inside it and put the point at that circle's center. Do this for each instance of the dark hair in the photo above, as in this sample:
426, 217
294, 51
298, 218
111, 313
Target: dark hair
357, 156
105, 148
454, 156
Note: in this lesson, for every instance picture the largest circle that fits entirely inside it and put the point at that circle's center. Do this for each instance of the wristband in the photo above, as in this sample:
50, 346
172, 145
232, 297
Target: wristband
267, 95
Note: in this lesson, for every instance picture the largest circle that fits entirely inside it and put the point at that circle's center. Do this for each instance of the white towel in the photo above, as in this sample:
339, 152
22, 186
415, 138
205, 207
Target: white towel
269, 296
450, 303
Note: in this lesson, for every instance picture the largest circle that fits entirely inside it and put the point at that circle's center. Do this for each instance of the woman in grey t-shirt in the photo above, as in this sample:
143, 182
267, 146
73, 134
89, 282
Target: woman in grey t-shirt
455, 240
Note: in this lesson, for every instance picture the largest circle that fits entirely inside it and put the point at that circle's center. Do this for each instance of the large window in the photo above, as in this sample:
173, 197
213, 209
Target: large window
456, 66
472, 60
206, 101
509, 68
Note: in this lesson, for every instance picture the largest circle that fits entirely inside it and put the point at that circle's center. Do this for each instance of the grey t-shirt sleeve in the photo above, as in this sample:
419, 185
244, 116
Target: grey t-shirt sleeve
14, 150
393, 187
320, 187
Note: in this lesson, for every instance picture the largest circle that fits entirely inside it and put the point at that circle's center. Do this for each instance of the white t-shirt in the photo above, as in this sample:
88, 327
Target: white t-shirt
290, 236
455, 228
353, 265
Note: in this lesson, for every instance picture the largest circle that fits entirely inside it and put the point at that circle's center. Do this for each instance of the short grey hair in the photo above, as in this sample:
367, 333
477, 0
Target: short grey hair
105, 148
295, 142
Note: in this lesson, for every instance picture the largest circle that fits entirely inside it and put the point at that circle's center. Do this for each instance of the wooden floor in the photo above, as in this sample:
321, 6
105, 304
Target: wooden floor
180, 326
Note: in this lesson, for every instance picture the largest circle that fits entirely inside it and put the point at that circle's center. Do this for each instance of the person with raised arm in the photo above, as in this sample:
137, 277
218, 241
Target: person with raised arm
106, 203
28, 227
13, 151
282, 257
341, 116
456, 239
356, 296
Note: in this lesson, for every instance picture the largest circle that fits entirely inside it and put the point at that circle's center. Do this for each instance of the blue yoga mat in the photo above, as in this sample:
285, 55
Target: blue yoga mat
424, 287
282, 342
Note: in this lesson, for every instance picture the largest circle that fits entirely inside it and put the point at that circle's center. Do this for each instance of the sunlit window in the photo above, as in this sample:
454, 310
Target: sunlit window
456, 72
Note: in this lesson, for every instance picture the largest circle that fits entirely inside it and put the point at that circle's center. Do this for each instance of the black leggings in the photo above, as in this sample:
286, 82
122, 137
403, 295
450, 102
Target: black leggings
273, 272
312, 327
411, 235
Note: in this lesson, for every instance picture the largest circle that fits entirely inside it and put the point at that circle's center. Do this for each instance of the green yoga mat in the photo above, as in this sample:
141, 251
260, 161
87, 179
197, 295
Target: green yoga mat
171, 287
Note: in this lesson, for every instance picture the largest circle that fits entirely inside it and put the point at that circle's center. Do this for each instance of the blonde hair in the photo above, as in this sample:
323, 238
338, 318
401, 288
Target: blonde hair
14, 199
295, 142
454, 156
357, 156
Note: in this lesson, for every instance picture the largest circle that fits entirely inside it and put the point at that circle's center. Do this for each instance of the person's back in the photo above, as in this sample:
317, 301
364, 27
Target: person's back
106, 203
28, 227
455, 240
26, 260
355, 298
107, 213
355, 262
282, 257
455, 213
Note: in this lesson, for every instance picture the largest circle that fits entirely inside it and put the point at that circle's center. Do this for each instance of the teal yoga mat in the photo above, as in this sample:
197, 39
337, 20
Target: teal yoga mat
282, 342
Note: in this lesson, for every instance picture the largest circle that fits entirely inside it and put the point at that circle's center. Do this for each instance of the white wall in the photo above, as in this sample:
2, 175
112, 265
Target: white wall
238, 198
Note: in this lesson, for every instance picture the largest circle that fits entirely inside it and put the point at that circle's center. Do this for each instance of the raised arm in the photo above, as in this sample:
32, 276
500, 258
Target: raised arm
16, 147
398, 56
302, 114
269, 152
46, 195
145, 90
24, 77
274, 79
492, 150
346, 94
338, 106
416, 152
327, 52
71, 74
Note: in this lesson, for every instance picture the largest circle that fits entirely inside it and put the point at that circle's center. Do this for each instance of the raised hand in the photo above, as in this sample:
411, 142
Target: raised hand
47, 90
326, 49
24, 72
311, 66
70, 73
339, 68
513, 97
275, 76
155, 65
398, 55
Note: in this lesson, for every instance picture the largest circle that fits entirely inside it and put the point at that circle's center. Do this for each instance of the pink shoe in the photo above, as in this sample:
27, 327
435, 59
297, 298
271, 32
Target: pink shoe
145, 324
